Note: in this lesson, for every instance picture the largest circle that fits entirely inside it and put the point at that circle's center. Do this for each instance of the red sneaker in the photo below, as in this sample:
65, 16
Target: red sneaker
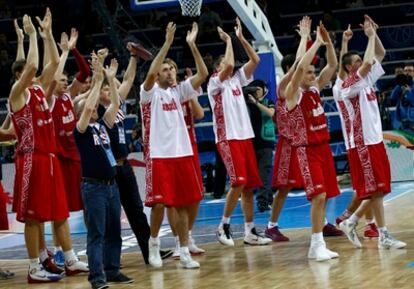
275, 235
371, 231
331, 231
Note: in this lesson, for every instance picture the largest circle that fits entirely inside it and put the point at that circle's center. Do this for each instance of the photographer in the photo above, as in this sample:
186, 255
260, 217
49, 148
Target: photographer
403, 96
261, 110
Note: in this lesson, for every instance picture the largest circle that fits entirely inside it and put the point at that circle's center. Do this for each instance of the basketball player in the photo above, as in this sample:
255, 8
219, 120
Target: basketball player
171, 176
38, 175
309, 134
368, 161
233, 132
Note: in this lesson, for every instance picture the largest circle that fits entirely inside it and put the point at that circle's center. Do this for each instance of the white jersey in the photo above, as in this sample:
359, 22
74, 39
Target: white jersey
165, 131
358, 106
231, 119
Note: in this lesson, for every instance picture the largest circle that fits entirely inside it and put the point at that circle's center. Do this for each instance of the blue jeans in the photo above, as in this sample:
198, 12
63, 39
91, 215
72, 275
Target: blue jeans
103, 220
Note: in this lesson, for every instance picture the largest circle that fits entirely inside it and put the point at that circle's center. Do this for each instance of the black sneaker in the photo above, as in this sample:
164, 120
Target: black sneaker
51, 267
120, 279
165, 254
99, 285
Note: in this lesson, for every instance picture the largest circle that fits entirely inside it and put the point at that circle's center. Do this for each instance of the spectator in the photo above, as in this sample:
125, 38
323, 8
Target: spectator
330, 22
136, 139
209, 20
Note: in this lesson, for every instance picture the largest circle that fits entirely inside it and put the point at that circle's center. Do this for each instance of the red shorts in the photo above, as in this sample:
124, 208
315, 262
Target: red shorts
39, 188
318, 170
286, 171
4, 222
240, 160
172, 182
71, 170
370, 170
197, 166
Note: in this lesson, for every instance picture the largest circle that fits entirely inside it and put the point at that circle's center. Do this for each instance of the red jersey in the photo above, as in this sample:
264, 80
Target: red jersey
65, 121
307, 120
189, 121
33, 124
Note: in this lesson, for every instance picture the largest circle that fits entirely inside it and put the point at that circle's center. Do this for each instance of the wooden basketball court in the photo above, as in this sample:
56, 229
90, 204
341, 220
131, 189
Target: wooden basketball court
276, 266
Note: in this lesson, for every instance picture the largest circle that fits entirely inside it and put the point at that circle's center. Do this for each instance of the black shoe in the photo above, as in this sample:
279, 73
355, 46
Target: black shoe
99, 285
165, 254
121, 279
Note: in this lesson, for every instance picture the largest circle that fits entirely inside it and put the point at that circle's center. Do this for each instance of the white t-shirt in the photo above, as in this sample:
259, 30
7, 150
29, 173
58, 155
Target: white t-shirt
358, 106
165, 131
230, 115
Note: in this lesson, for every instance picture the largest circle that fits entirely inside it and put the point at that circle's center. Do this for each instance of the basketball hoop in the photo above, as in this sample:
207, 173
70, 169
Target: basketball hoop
190, 8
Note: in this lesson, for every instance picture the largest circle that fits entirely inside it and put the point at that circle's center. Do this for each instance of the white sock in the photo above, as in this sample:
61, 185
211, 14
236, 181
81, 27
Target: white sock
326, 221
248, 228
34, 263
56, 248
353, 219
43, 255
184, 250
155, 241
382, 231
177, 241
316, 237
70, 255
225, 220
272, 224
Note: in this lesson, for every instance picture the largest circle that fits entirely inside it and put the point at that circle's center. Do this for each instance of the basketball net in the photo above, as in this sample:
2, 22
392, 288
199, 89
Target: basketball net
190, 8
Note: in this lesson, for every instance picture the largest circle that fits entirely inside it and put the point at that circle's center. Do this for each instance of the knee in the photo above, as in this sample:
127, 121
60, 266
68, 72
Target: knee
319, 200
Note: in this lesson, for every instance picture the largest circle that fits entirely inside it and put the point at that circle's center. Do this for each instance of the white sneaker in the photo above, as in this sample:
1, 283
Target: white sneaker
386, 241
154, 257
73, 267
39, 275
194, 250
224, 235
332, 254
350, 231
318, 252
255, 239
187, 262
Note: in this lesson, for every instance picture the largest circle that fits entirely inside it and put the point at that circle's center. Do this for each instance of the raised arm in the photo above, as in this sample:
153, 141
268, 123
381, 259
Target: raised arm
50, 68
83, 66
327, 72
129, 75
346, 36
202, 71
111, 112
93, 96
291, 91
20, 40
196, 109
304, 33
228, 59
156, 63
254, 59
61, 67
379, 47
17, 94
370, 50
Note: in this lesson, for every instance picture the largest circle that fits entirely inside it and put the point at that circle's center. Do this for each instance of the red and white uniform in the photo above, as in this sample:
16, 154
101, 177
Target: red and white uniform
64, 120
309, 133
233, 129
361, 126
189, 121
39, 187
4, 222
286, 171
171, 176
